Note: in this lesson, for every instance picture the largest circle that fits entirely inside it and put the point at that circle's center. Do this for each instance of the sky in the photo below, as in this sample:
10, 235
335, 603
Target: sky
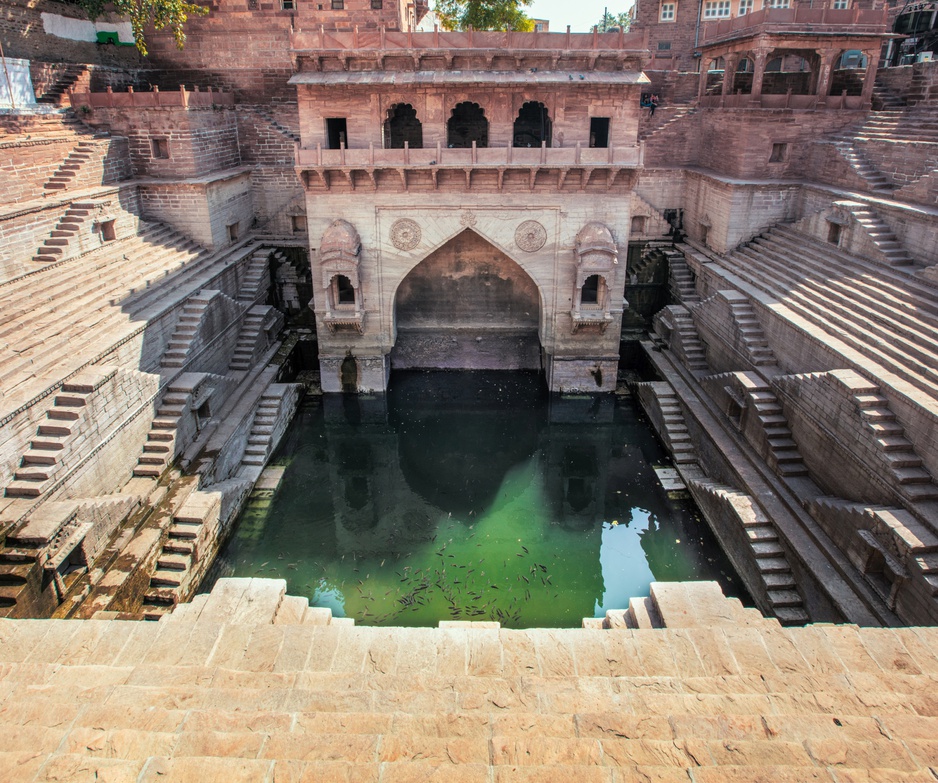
581, 15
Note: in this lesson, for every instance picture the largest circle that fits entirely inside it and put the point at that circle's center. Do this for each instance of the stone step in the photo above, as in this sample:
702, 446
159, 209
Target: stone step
171, 561
41, 456
780, 598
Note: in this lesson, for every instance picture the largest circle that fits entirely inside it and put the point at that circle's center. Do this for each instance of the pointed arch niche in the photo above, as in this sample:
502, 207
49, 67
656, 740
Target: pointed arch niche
340, 255
596, 258
467, 306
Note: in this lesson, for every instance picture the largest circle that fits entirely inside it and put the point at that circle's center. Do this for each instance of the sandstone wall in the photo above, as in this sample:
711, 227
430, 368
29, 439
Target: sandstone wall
725, 215
203, 211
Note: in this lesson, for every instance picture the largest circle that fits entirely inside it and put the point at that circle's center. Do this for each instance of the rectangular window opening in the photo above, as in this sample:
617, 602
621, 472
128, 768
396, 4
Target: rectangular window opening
833, 233
599, 131
159, 148
716, 9
667, 12
336, 132
108, 232
299, 224
338, 5
377, 5
233, 232
745, 7
288, 5
779, 153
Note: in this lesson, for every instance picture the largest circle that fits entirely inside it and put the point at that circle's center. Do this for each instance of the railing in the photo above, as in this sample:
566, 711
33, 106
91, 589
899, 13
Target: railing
151, 99
445, 157
799, 19
323, 40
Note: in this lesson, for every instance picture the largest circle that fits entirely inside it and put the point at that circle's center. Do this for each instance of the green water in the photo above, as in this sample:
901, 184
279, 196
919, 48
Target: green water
471, 496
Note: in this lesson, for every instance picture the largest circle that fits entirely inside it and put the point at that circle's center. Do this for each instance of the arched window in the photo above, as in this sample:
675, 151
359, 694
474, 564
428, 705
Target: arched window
402, 125
343, 292
532, 126
467, 124
745, 66
589, 294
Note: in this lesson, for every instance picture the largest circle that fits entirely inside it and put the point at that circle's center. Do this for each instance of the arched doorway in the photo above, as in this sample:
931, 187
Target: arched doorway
467, 306
467, 124
532, 126
402, 125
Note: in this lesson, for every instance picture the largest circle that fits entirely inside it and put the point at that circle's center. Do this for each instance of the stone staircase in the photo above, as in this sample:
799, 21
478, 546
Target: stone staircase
913, 480
770, 557
187, 328
875, 180
692, 349
675, 428
783, 457
75, 220
65, 80
753, 339
891, 249
886, 318
269, 118
664, 118
914, 124
84, 154
260, 438
192, 539
256, 280
246, 348
159, 451
54, 439
682, 286
73, 317
249, 684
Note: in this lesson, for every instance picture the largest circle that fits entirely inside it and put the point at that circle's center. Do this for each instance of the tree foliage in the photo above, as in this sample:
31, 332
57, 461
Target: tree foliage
623, 20
484, 15
162, 14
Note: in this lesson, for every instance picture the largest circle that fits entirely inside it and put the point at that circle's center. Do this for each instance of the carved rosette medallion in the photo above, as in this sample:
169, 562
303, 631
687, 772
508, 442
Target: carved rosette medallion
530, 236
405, 234
468, 219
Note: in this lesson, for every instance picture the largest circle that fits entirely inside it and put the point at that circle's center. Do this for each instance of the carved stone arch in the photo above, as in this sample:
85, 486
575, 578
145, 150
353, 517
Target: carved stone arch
597, 258
339, 259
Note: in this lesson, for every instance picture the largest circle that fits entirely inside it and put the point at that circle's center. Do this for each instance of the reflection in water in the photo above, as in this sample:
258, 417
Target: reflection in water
471, 496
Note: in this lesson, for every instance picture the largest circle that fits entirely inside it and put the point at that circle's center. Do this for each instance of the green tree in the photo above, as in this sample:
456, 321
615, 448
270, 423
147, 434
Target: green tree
162, 14
623, 20
484, 14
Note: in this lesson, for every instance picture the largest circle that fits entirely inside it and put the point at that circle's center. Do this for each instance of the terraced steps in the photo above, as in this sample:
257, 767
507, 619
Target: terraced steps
69, 316
895, 335
249, 685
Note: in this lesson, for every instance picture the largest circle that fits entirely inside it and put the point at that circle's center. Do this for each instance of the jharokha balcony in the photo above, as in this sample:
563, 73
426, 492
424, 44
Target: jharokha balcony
354, 167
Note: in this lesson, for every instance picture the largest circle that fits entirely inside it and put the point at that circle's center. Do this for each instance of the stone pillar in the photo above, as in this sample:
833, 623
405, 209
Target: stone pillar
825, 69
730, 63
869, 78
702, 84
759, 59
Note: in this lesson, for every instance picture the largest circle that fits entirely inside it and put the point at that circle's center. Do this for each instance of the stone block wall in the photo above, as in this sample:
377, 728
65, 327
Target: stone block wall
278, 198
724, 215
837, 445
213, 344
739, 142
198, 140
717, 326
203, 211
120, 416
903, 162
